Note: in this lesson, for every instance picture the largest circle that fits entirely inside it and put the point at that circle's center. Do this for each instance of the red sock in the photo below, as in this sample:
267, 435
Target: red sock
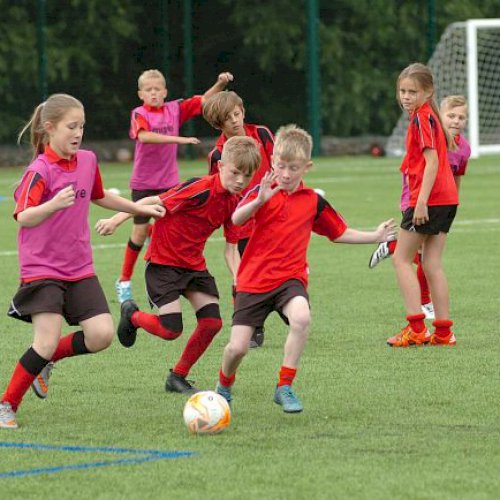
286, 375
417, 322
132, 252
425, 295
391, 245
151, 323
197, 344
226, 381
442, 327
20, 382
70, 345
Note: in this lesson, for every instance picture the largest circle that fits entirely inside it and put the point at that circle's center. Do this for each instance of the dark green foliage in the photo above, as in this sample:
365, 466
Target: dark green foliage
96, 50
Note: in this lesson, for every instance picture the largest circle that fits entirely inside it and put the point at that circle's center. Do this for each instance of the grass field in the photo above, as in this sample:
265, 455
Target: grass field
378, 423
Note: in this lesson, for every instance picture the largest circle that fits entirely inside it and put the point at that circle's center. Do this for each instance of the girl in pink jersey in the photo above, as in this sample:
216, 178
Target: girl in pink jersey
57, 275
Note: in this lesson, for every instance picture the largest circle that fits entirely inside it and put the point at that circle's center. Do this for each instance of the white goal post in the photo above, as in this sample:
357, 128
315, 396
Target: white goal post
466, 61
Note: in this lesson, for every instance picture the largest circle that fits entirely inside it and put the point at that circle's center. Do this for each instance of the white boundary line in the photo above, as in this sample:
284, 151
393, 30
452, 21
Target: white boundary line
479, 225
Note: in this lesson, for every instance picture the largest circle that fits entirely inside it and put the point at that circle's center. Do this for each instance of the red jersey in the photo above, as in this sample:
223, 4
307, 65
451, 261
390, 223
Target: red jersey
195, 209
265, 139
277, 249
425, 132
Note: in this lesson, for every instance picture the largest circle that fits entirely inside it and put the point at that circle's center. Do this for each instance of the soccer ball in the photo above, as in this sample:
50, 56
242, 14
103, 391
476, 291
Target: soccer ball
207, 412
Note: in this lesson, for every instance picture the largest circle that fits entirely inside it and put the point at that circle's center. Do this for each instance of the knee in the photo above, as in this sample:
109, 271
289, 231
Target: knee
236, 350
300, 320
173, 325
209, 317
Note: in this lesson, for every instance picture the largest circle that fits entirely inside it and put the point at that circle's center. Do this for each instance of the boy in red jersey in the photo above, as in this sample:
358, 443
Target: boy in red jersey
176, 265
225, 112
273, 272
154, 126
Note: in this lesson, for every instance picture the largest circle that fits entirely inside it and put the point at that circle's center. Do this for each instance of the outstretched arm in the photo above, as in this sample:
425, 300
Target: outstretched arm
222, 80
266, 192
148, 137
150, 206
384, 232
232, 257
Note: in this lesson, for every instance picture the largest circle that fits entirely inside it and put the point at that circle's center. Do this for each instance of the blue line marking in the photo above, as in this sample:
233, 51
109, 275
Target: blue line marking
144, 456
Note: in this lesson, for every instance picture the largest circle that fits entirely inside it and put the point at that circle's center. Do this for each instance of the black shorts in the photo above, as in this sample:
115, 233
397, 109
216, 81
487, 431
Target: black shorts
139, 194
440, 220
252, 309
76, 301
164, 284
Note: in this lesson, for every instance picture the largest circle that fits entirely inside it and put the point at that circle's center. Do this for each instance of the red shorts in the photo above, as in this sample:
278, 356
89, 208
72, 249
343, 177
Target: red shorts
252, 309
76, 301
164, 284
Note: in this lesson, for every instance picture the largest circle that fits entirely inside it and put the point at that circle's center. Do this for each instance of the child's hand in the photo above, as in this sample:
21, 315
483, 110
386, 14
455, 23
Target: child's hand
105, 227
225, 78
420, 214
191, 140
64, 198
266, 191
157, 210
386, 231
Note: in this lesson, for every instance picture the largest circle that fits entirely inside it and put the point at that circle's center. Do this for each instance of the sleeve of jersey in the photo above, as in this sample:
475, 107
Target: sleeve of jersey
189, 194
328, 222
231, 232
138, 123
189, 108
268, 143
97, 188
213, 161
29, 193
426, 129
250, 196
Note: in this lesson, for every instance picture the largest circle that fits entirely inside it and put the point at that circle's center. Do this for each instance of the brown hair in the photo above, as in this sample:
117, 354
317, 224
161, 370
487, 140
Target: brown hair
422, 76
53, 111
243, 152
150, 74
293, 143
217, 107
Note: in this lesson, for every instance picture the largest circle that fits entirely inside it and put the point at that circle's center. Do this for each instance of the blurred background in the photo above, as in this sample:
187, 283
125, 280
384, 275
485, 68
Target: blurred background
329, 66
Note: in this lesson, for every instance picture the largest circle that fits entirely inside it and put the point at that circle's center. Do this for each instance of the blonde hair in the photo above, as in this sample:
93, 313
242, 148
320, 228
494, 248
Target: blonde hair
243, 152
293, 143
422, 76
150, 74
52, 110
216, 108
453, 101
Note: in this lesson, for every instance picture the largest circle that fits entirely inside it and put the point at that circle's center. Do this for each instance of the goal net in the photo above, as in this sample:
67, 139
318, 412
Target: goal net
466, 61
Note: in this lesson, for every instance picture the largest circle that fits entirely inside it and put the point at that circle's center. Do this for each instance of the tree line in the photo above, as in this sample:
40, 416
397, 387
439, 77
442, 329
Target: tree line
96, 50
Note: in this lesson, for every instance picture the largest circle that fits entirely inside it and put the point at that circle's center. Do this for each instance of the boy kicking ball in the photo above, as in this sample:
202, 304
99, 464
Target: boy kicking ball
273, 272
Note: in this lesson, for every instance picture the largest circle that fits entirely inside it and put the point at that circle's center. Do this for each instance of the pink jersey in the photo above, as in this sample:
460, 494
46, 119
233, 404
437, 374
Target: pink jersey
59, 247
458, 159
155, 165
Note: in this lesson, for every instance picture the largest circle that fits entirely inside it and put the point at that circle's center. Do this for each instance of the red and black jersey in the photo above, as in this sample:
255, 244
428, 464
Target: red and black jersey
425, 132
277, 249
195, 209
265, 139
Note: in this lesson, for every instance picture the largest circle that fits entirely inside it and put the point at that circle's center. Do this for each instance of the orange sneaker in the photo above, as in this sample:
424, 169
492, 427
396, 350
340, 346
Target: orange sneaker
449, 340
407, 337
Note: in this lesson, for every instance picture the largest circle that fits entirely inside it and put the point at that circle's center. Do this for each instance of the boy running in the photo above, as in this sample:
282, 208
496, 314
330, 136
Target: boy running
273, 272
176, 265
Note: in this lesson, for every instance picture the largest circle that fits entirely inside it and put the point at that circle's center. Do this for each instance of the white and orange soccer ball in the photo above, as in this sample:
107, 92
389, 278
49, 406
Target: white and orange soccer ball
207, 412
